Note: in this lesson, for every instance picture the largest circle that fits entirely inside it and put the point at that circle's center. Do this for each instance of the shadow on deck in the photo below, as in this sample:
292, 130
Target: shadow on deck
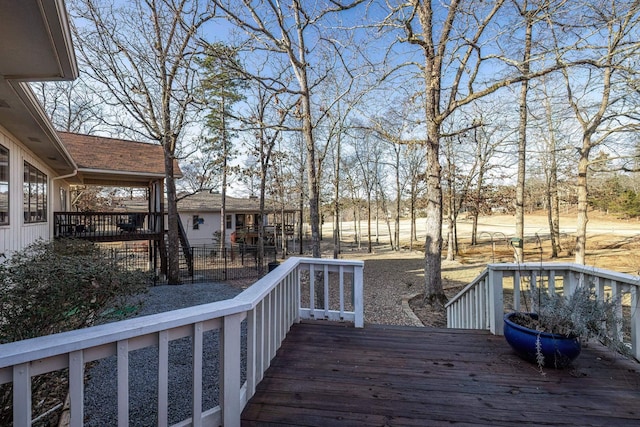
332, 374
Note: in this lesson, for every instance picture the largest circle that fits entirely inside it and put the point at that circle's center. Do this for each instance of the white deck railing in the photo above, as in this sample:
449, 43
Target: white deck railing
269, 308
480, 305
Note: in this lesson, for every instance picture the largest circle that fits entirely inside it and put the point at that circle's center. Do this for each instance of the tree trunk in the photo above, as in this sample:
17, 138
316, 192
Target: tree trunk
581, 226
336, 204
522, 143
173, 243
553, 209
369, 244
398, 197
434, 293
223, 190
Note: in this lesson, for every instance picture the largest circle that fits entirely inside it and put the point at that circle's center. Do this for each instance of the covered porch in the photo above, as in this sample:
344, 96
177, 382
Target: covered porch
118, 163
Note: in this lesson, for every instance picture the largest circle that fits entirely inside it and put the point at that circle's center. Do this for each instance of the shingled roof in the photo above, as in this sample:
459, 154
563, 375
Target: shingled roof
209, 202
101, 154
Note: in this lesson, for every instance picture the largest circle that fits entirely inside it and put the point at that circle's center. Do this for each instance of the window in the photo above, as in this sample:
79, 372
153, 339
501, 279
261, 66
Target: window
228, 221
197, 221
35, 194
4, 186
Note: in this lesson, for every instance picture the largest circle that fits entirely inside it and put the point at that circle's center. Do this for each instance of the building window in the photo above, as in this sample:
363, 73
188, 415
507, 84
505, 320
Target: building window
4, 186
228, 221
35, 194
196, 222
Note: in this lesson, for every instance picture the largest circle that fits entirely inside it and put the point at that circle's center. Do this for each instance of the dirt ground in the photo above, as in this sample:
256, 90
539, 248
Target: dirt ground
612, 243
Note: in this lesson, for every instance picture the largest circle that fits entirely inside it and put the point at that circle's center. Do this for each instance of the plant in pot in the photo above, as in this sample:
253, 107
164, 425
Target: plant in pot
552, 334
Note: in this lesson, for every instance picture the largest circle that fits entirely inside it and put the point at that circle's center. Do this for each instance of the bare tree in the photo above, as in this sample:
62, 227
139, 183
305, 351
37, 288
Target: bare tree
265, 122
451, 38
609, 35
413, 174
70, 105
292, 30
142, 55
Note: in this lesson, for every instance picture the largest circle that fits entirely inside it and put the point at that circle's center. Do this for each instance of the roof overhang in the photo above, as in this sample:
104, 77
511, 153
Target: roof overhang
109, 178
35, 46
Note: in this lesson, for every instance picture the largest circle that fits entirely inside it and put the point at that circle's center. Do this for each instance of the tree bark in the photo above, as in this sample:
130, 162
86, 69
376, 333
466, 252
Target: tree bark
583, 193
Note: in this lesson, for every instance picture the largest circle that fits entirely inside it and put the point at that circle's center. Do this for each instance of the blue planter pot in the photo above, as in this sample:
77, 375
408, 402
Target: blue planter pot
558, 350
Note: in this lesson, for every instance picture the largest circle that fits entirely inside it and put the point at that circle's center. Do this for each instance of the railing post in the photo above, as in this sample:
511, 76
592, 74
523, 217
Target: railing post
496, 302
22, 395
635, 322
358, 296
76, 388
230, 369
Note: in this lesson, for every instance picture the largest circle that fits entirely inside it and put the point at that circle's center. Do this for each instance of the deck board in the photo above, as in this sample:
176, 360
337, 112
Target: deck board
335, 375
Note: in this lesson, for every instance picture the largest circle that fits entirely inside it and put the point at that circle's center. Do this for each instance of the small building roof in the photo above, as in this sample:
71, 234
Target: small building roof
211, 202
112, 161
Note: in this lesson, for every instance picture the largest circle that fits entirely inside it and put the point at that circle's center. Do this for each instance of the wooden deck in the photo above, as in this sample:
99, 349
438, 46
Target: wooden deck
336, 375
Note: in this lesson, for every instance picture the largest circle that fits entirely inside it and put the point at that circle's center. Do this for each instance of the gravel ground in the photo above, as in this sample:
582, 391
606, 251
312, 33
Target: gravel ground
101, 387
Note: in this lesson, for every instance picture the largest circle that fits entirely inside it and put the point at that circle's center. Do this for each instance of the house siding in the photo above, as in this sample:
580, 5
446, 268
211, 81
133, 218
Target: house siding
205, 232
18, 234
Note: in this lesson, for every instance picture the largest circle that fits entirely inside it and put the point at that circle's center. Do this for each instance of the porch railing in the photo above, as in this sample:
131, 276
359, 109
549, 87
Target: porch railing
265, 311
108, 225
481, 304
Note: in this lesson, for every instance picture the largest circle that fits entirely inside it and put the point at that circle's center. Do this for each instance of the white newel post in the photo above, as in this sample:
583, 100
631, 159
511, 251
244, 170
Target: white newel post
230, 368
496, 305
358, 296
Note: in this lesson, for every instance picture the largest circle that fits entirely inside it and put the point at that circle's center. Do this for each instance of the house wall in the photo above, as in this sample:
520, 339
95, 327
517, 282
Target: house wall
209, 224
205, 232
19, 234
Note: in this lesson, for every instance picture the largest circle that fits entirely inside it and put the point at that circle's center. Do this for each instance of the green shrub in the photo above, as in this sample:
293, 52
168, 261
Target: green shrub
61, 285
54, 287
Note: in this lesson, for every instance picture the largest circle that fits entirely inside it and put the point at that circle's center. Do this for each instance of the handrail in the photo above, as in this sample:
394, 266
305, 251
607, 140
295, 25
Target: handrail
107, 225
480, 305
269, 307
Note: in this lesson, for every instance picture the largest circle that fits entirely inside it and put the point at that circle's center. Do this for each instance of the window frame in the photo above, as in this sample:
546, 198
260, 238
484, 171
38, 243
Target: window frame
5, 216
35, 197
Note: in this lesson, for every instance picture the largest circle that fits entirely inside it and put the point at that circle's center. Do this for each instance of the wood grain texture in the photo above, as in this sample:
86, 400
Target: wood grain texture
328, 374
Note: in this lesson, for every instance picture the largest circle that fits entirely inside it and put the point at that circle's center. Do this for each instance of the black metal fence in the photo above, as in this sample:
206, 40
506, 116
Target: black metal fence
210, 264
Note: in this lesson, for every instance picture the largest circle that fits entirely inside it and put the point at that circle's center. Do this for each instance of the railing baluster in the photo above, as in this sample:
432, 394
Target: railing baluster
516, 291
163, 378
123, 383
197, 348
326, 291
341, 272
76, 388
252, 348
635, 322
616, 296
261, 362
312, 293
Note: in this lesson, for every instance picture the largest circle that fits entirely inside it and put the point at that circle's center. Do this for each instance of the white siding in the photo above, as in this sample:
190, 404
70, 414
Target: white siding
17, 234
204, 234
